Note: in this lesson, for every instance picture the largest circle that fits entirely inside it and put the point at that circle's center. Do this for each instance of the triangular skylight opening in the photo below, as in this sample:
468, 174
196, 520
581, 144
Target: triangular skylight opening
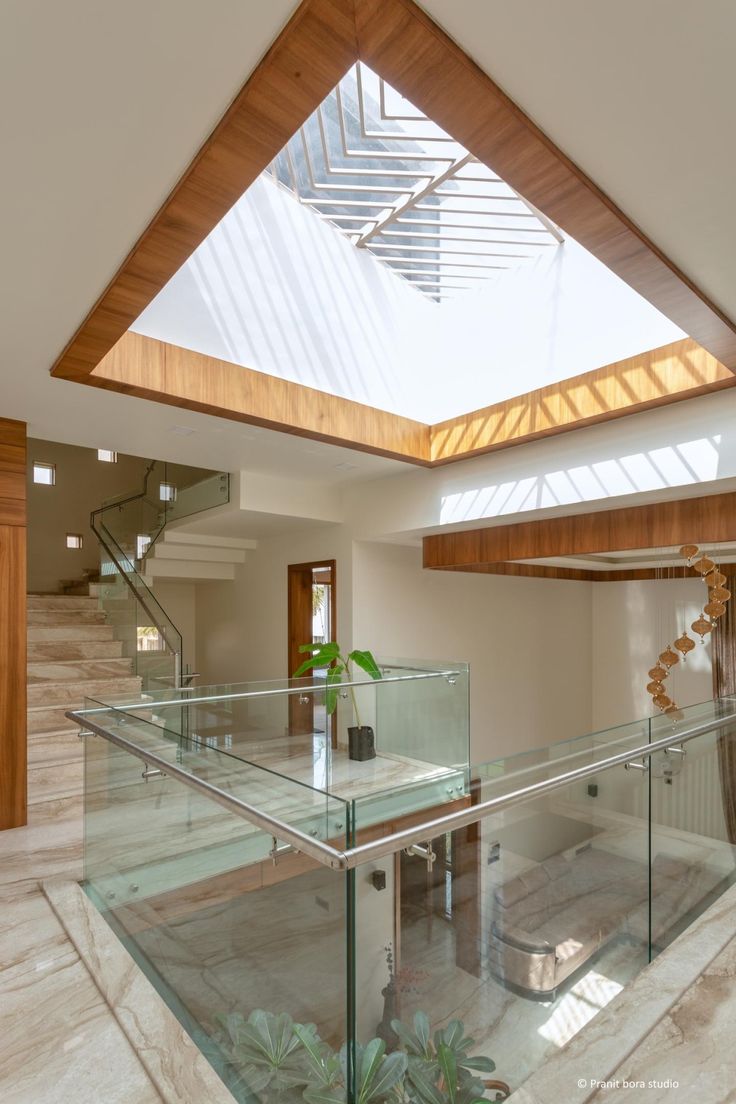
371, 163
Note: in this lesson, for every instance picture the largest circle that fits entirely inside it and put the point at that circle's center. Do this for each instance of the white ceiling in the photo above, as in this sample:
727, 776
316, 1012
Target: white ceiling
104, 105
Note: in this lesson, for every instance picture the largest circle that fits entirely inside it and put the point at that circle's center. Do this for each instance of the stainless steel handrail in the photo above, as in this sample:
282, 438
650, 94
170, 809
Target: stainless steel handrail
152, 703
351, 857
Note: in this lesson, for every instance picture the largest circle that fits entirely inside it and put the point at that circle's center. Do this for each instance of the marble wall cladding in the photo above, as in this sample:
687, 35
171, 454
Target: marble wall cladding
174, 1064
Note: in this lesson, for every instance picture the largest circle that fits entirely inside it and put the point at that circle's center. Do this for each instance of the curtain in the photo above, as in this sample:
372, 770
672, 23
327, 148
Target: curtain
724, 683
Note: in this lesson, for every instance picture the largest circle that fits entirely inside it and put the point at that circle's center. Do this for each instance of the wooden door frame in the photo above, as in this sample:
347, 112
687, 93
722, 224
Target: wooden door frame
293, 656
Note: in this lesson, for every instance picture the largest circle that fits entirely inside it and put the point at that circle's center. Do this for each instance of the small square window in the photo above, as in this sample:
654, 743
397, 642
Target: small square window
167, 492
107, 455
142, 542
74, 540
44, 473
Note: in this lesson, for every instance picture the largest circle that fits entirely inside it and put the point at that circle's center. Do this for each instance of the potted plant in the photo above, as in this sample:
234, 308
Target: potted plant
361, 738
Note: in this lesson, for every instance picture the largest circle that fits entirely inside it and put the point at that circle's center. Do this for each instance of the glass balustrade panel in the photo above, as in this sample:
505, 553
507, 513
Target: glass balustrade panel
245, 939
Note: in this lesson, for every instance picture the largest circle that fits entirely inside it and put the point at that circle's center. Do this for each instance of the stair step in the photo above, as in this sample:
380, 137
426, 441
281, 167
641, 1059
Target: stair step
75, 670
58, 633
194, 569
56, 781
54, 651
173, 535
48, 748
60, 602
201, 552
74, 693
66, 617
83, 590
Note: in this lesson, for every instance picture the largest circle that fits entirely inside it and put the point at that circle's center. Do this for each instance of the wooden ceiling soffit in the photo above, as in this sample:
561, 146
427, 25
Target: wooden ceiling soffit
315, 49
681, 370
707, 520
577, 574
151, 369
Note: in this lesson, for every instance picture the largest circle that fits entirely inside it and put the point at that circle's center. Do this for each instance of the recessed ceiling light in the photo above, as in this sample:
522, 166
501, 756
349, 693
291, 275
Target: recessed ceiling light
182, 431
345, 467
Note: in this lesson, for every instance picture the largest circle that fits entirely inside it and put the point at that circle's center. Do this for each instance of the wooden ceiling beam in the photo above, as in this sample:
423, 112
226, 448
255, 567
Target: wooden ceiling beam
708, 520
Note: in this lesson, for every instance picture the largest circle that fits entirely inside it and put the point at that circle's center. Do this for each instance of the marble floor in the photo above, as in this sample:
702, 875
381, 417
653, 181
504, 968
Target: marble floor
60, 1040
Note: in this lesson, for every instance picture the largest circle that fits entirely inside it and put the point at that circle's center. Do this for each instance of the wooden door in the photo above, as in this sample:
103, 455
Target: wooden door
311, 618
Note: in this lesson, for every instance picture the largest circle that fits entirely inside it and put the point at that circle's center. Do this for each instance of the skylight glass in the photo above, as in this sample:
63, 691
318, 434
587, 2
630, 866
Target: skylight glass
395, 183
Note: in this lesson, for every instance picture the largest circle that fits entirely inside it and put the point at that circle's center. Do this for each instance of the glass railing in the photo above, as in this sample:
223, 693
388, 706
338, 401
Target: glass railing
127, 529
410, 927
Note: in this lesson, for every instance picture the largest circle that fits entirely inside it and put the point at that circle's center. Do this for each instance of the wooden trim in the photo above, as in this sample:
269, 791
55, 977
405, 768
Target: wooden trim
681, 370
710, 519
151, 369
13, 675
312, 53
575, 574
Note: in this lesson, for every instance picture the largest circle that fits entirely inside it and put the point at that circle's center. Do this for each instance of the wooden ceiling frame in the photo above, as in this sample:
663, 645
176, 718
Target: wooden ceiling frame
321, 41
708, 520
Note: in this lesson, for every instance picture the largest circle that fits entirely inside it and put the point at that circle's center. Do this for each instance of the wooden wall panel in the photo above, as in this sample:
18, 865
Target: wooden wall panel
13, 756
673, 372
153, 369
708, 520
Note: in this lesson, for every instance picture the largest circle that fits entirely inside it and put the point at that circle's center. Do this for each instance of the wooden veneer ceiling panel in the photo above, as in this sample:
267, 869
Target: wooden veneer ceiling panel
398, 40
708, 520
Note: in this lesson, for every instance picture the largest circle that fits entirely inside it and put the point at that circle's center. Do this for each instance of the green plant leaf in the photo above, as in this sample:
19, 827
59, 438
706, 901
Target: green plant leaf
448, 1066
420, 1078
479, 1062
322, 655
325, 1095
389, 1073
334, 677
367, 1064
367, 663
423, 1030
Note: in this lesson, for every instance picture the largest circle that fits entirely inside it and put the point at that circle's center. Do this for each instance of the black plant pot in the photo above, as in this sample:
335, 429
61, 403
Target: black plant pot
361, 743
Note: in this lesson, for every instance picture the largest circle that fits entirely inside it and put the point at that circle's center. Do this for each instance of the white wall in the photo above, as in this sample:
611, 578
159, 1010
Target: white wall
179, 601
527, 642
632, 623
242, 626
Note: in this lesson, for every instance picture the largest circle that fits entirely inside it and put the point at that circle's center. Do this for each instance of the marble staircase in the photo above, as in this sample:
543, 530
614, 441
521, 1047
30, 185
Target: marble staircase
72, 655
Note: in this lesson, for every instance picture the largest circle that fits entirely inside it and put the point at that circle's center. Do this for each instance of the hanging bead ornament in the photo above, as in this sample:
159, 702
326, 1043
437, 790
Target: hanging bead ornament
662, 701
714, 610
704, 565
720, 594
715, 578
668, 657
654, 688
658, 673
684, 644
702, 627
689, 552
674, 713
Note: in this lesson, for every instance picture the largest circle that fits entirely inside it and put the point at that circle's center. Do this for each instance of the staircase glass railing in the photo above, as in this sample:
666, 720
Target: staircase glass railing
127, 529
274, 908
